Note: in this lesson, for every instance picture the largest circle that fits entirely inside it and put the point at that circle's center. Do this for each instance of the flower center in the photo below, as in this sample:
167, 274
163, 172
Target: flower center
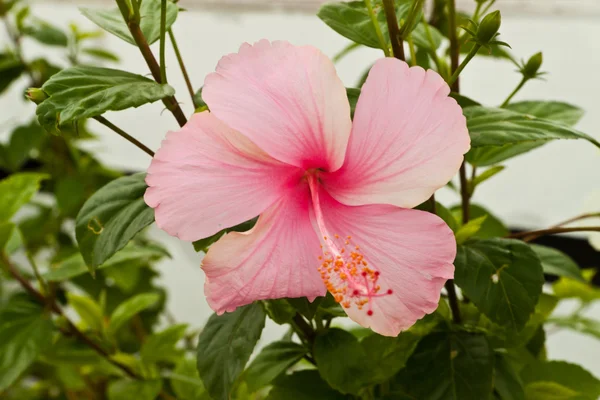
343, 268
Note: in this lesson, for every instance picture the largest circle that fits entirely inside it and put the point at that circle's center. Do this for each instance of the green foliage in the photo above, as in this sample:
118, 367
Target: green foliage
491, 226
204, 244
127, 389
569, 377
303, 385
16, 191
82, 92
271, 362
129, 309
555, 262
225, 345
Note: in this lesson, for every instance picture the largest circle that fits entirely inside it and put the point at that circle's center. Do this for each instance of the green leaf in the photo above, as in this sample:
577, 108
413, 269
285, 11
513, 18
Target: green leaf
305, 307
388, 355
557, 111
503, 278
161, 346
9, 238
186, 382
16, 191
421, 38
46, 33
464, 101
83, 92
580, 324
567, 375
487, 174
279, 310
112, 20
550, 391
555, 262
491, 227
225, 345
272, 361
303, 385
353, 95
127, 389
25, 332
341, 360
499, 134
111, 218
100, 53
129, 308
23, 140
566, 288
506, 381
89, 311
469, 230
204, 244
11, 69
450, 365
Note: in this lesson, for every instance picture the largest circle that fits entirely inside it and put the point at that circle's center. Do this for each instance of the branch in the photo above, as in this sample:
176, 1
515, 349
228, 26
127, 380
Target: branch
532, 235
186, 77
454, 45
124, 134
393, 29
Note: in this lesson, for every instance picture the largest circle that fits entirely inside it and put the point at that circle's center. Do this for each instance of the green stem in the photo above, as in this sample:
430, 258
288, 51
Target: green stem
433, 52
411, 17
389, 8
454, 78
477, 11
485, 10
163, 32
377, 28
184, 72
453, 300
413, 52
36, 272
124, 135
454, 47
514, 92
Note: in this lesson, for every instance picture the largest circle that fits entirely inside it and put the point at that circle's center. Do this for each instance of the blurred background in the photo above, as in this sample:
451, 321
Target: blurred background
546, 186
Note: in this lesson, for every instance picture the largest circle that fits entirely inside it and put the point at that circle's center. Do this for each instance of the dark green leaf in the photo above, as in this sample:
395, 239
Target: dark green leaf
204, 244
491, 227
499, 134
503, 278
551, 110
131, 307
555, 262
100, 53
353, 95
305, 307
225, 345
450, 365
303, 385
329, 308
272, 361
507, 381
341, 360
388, 355
161, 346
464, 101
83, 92
16, 191
11, 69
421, 38
127, 389
25, 332
111, 218
567, 375
279, 310
23, 140
112, 20
45, 33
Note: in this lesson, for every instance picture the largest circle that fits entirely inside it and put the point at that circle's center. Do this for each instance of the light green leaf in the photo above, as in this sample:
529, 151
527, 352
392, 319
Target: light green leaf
111, 218
580, 324
568, 375
502, 277
567, 287
129, 308
470, 229
491, 227
341, 360
499, 134
7, 230
552, 110
112, 20
225, 345
45, 33
16, 191
127, 389
271, 362
555, 262
387, 355
83, 92
487, 174
450, 366
186, 382
550, 391
204, 244
25, 332
161, 346
304, 385
89, 311
100, 53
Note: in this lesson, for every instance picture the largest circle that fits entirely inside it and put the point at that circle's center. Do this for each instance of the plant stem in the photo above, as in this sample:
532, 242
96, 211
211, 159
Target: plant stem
413, 52
453, 300
454, 78
163, 38
578, 218
124, 134
377, 28
464, 193
36, 272
433, 52
514, 92
138, 36
454, 46
532, 235
393, 29
186, 77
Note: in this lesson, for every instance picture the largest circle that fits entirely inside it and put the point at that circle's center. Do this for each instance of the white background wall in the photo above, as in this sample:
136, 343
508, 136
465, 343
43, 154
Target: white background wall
536, 190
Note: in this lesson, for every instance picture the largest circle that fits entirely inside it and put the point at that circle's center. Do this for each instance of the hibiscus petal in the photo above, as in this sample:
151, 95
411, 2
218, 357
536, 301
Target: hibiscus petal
408, 139
286, 99
277, 258
408, 253
207, 177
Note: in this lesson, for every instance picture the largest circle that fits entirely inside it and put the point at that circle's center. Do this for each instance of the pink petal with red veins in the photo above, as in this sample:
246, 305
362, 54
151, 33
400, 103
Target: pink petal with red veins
207, 177
277, 258
408, 139
286, 99
408, 254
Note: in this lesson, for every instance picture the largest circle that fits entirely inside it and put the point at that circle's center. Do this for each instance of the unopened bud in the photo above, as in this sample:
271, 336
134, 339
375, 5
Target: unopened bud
489, 27
36, 95
530, 70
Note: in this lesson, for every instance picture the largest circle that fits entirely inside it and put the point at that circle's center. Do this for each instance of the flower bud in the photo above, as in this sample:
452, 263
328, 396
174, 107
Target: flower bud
36, 95
489, 27
531, 68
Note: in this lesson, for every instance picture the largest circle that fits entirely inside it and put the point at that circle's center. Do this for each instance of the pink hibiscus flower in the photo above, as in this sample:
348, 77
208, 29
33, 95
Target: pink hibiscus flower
334, 195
